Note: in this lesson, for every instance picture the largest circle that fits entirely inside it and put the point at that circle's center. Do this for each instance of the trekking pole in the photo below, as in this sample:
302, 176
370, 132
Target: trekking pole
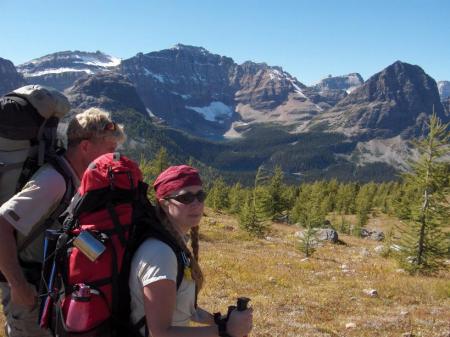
52, 284
48, 303
242, 303
47, 275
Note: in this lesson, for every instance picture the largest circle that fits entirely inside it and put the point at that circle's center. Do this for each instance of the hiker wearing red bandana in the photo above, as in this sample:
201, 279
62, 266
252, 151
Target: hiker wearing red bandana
165, 278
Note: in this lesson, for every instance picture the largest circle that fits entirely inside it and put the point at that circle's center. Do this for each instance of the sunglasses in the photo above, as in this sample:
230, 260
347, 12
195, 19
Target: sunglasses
189, 197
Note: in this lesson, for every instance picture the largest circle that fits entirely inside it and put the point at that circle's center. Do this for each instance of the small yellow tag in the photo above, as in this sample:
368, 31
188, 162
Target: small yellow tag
187, 273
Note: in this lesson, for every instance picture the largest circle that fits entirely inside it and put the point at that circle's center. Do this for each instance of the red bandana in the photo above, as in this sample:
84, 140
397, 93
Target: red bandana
175, 178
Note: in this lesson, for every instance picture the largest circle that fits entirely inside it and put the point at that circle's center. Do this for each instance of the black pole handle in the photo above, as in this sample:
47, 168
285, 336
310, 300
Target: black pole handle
242, 303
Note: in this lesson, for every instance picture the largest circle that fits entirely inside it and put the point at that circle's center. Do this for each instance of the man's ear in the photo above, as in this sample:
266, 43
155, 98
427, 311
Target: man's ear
84, 145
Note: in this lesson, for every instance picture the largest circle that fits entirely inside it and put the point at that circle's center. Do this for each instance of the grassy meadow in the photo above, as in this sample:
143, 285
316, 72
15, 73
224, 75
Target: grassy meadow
323, 295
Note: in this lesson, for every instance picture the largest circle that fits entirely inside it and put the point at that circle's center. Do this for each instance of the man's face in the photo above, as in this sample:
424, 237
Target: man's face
97, 147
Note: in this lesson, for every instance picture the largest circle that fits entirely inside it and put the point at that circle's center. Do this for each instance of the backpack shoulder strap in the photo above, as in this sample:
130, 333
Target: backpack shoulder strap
59, 165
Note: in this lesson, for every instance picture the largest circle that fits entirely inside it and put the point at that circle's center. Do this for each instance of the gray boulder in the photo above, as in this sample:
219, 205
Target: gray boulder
327, 234
372, 234
322, 234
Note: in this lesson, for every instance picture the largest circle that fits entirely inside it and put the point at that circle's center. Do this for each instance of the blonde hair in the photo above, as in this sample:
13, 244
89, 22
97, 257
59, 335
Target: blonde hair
94, 123
196, 271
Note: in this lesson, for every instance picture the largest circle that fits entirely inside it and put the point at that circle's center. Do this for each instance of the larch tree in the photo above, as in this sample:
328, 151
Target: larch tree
250, 217
424, 243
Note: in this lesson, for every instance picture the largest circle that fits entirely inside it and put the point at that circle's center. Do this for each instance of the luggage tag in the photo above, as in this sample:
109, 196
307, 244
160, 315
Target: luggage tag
89, 245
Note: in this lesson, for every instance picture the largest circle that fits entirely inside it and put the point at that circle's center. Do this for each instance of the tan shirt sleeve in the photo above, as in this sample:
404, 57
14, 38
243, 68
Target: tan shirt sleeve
35, 201
157, 261
154, 261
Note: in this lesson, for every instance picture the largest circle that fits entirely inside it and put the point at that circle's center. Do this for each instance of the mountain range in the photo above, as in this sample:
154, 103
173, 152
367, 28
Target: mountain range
237, 117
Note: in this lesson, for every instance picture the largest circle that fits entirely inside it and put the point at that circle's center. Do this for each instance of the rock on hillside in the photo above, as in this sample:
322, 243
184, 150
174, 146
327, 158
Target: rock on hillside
345, 82
395, 101
444, 89
269, 94
329, 91
10, 79
60, 70
109, 90
446, 104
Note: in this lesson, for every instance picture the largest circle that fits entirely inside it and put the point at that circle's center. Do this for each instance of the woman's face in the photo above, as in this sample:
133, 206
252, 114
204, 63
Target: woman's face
184, 215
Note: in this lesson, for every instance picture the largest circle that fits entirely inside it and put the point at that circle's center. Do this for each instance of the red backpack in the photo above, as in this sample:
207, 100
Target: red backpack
86, 286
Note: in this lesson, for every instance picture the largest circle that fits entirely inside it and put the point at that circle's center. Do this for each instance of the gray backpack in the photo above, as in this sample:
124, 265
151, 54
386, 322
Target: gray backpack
29, 118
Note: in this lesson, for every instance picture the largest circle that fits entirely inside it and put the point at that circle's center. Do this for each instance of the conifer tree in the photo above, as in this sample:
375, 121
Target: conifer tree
406, 194
236, 198
290, 194
191, 161
423, 241
386, 204
146, 169
308, 240
363, 205
250, 218
345, 198
308, 210
344, 226
273, 202
152, 168
218, 195
161, 161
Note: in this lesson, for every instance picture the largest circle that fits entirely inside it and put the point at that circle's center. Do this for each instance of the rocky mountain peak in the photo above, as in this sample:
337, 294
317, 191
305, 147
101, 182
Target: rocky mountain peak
399, 82
10, 79
332, 89
345, 82
394, 101
190, 49
60, 70
76, 60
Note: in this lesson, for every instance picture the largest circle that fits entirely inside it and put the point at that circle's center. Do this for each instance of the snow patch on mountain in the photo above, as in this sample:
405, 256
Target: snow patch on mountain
110, 61
236, 130
214, 111
183, 96
349, 90
354, 80
157, 77
275, 74
56, 71
297, 88
200, 50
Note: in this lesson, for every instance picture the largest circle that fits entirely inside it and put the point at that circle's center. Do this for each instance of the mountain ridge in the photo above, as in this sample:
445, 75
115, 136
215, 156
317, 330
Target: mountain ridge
210, 96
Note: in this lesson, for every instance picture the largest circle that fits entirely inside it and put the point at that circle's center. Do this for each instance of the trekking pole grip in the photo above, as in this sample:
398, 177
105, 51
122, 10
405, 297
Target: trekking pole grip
242, 303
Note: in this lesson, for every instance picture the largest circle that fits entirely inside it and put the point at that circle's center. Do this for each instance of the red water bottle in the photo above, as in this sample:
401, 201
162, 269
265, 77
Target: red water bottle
81, 315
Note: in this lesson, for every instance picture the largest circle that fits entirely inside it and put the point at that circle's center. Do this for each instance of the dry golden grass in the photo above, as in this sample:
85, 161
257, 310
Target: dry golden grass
318, 296
293, 296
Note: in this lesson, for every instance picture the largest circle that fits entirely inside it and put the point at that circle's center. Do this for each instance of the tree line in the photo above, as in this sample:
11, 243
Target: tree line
420, 200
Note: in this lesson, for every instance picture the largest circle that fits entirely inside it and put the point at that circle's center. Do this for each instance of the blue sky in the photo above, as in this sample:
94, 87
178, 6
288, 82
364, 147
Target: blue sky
309, 39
